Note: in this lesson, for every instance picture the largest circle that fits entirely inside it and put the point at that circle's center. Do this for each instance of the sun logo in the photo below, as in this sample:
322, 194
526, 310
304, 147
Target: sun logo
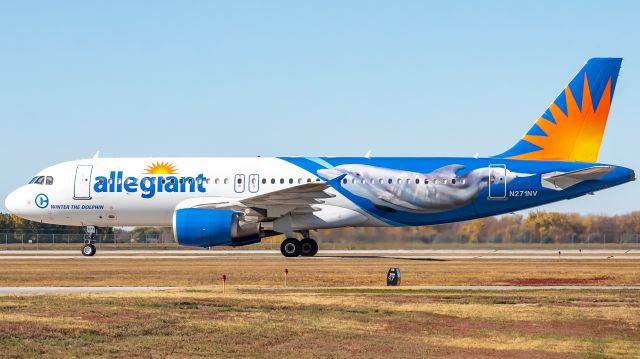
161, 168
575, 135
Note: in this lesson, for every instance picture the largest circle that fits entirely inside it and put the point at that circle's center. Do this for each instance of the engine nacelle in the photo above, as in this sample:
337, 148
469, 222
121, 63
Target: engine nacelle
201, 227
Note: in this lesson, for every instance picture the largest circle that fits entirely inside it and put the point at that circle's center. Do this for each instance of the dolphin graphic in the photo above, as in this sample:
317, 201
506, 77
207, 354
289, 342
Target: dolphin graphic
437, 191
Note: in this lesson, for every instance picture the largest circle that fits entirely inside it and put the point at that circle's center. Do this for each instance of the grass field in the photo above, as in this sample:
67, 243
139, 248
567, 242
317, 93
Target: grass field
305, 272
257, 317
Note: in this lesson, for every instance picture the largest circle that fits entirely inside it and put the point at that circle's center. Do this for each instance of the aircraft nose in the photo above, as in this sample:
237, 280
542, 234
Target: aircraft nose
11, 202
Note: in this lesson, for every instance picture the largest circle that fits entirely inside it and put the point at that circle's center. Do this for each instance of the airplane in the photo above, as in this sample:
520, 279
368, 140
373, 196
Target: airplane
238, 201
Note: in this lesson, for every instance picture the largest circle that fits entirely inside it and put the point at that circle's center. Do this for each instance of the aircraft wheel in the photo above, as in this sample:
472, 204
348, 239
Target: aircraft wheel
308, 247
290, 247
88, 250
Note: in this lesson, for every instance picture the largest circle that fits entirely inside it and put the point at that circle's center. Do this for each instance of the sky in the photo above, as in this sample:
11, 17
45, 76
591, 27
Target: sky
304, 78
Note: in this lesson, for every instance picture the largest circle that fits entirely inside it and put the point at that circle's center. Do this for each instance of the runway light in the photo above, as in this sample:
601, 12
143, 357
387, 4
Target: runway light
223, 278
286, 271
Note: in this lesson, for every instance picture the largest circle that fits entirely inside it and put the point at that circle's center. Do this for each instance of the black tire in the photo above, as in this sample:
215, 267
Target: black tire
88, 250
308, 247
290, 247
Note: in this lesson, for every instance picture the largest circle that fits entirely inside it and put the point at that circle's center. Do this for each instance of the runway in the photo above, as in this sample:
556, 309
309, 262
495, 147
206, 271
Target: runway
408, 254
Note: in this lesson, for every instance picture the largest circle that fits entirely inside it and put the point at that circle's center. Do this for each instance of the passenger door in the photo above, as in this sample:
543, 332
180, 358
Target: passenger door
82, 185
498, 182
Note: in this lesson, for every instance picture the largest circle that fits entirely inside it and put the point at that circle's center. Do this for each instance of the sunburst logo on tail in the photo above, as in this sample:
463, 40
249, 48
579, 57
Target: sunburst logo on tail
161, 168
572, 127
575, 136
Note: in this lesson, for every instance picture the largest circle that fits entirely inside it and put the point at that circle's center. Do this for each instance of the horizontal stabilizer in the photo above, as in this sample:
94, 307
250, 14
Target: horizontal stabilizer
561, 180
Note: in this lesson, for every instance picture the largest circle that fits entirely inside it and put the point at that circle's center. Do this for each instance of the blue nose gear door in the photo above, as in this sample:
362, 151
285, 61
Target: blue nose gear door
498, 182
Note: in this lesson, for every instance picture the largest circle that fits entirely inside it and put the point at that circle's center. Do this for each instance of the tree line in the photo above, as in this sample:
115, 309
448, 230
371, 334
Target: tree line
535, 227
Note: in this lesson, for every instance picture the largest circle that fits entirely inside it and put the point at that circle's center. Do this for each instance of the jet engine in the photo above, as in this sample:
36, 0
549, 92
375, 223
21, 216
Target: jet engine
201, 227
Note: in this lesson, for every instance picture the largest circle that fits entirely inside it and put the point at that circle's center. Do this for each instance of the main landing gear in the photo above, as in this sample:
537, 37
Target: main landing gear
89, 249
292, 247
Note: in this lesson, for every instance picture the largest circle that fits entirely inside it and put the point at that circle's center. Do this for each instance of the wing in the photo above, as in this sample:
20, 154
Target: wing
298, 199
562, 180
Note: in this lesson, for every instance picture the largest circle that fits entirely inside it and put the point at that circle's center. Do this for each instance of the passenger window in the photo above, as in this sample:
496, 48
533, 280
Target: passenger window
435, 181
226, 181
399, 180
281, 180
390, 181
264, 181
239, 180
417, 181
381, 181
444, 181
453, 181
273, 181
49, 180
426, 181
217, 181
299, 180
308, 180
408, 181
344, 181
290, 180
354, 181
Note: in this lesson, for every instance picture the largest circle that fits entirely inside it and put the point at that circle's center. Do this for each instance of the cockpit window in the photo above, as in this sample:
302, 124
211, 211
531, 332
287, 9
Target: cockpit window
33, 179
40, 180
49, 180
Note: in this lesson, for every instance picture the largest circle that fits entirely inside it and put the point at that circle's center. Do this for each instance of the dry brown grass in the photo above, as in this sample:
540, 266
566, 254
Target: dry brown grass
335, 324
255, 318
316, 272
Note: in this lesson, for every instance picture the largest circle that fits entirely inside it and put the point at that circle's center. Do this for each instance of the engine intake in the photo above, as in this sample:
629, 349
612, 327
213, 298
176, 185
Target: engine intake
201, 227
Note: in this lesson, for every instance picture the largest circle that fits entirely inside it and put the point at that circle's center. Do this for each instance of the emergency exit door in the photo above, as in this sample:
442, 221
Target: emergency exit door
82, 186
254, 183
238, 183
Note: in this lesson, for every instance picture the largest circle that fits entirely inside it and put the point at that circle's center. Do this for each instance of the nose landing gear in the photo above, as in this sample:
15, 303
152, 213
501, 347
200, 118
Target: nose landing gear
89, 249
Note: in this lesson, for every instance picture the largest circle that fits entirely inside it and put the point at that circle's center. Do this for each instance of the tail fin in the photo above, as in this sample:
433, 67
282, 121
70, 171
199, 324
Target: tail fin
571, 128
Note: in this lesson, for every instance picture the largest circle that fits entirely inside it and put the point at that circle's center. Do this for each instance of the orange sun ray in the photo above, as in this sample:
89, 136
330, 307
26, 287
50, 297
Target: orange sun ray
577, 135
161, 168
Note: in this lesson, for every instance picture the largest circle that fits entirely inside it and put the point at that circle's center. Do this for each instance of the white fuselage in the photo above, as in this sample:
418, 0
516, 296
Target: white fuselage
123, 192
